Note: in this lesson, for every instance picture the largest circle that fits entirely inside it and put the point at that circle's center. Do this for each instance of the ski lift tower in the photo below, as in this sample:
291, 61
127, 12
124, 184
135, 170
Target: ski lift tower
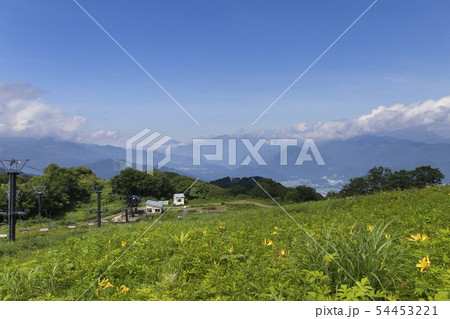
39, 191
12, 168
98, 190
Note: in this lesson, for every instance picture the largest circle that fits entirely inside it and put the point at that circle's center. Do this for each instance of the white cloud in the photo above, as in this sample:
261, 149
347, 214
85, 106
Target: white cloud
23, 113
434, 115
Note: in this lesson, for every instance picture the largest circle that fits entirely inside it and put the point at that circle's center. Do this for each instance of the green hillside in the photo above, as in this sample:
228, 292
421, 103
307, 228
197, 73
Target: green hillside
243, 251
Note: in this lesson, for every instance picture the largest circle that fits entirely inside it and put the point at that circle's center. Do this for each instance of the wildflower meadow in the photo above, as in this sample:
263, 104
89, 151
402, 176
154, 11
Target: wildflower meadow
387, 246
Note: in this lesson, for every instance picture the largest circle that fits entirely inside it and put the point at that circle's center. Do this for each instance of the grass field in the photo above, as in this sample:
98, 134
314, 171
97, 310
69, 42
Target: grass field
357, 248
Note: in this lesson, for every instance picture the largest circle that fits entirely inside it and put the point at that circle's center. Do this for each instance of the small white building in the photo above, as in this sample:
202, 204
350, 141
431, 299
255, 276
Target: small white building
153, 207
178, 199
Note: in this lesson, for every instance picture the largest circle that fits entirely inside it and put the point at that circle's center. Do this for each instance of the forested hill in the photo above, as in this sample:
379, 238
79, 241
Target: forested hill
70, 188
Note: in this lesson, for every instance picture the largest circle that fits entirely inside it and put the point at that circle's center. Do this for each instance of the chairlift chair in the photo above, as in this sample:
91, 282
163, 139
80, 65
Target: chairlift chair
90, 221
73, 225
2, 224
121, 219
51, 222
22, 226
44, 225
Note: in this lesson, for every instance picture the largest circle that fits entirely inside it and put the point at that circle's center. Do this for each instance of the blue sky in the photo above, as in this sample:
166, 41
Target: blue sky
224, 61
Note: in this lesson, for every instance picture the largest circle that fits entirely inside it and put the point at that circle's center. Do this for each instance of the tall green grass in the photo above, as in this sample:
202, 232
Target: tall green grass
195, 259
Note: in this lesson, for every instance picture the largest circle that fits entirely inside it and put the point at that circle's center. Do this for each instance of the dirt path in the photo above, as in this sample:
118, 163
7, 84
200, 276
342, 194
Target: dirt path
253, 203
244, 202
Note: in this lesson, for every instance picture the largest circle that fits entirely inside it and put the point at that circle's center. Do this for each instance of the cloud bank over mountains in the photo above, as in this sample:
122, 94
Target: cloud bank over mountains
432, 115
23, 113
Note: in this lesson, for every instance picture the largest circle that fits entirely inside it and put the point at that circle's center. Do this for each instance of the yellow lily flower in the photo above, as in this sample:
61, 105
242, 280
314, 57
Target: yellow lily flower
108, 285
415, 238
424, 264
123, 289
388, 236
274, 233
282, 252
124, 243
270, 243
370, 227
425, 237
276, 227
103, 282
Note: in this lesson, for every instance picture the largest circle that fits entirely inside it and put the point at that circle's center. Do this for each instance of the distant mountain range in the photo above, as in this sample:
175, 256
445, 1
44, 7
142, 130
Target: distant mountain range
344, 159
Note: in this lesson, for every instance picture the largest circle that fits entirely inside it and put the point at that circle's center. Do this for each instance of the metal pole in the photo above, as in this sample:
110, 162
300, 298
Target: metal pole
12, 205
99, 209
39, 204
13, 169
98, 190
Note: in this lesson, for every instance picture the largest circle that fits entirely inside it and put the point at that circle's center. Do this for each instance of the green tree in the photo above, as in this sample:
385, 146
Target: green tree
66, 188
378, 179
356, 186
133, 182
236, 190
401, 179
199, 190
425, 175
307, 193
